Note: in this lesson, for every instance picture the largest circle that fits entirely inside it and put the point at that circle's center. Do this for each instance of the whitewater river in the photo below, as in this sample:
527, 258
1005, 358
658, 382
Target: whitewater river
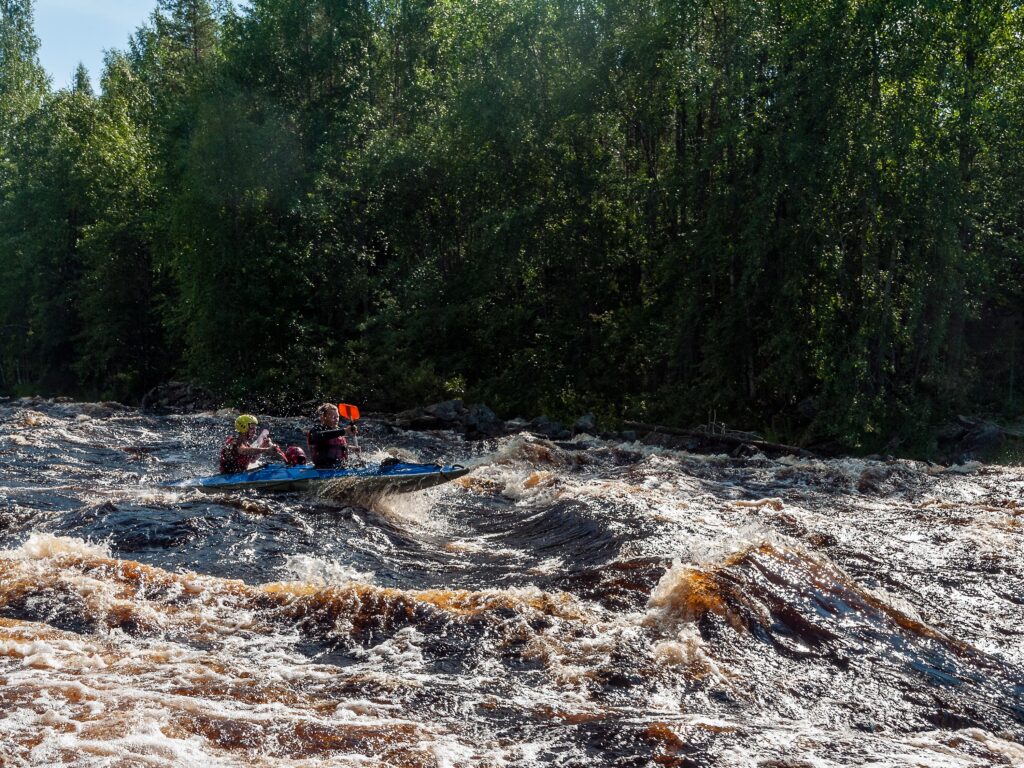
583, 604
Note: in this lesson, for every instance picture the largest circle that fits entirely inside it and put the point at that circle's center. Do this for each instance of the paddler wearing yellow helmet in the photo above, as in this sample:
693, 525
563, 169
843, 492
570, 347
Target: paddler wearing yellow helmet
239, 451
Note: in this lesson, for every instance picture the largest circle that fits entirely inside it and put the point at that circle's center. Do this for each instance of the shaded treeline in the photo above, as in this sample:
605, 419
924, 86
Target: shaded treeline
800, 215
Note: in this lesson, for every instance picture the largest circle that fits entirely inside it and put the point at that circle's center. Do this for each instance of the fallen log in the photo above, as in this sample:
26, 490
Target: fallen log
726, 437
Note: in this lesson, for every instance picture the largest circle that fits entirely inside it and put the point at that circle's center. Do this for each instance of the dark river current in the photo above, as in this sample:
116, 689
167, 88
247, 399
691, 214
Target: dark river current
588, 603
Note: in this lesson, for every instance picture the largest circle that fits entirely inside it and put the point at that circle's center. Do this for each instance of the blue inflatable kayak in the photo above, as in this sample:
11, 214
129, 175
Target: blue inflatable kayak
396, 477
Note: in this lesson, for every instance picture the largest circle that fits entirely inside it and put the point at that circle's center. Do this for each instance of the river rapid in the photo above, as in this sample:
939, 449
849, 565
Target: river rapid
587, 603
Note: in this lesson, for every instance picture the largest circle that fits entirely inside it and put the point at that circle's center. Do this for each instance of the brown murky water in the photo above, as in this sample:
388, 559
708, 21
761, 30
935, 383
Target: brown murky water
583, 604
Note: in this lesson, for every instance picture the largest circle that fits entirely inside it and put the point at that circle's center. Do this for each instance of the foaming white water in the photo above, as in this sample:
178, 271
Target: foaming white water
34, 419
1009, 750
643, 449
410, 510
524, 449
852, 466
535, 487
675, 598
145, 745
78, 700
323, 572
599, 661
550, 565
931, 750
402, 454
705, 552
39, 546
688, 651
403, 652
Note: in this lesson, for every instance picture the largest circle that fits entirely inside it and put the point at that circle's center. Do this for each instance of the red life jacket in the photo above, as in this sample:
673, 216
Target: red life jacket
328, 453
231, 460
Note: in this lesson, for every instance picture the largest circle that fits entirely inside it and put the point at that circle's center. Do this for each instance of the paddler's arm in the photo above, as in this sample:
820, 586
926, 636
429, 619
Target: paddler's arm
317, 437
248, 450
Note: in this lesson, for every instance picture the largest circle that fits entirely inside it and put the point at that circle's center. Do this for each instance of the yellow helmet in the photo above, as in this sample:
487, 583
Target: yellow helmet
243, 422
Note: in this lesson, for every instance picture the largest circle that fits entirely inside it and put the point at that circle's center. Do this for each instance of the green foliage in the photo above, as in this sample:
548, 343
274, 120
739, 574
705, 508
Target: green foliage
800, 216
22, 81
43, 223
121, 346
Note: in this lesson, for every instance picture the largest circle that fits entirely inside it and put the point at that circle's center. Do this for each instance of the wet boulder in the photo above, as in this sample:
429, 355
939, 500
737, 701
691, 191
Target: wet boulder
180, 396
984, 438
482, 422
587, 423
745, 451
450, 410
968, 439
446, 415
476, 421
552, 429
103, 409
873, 478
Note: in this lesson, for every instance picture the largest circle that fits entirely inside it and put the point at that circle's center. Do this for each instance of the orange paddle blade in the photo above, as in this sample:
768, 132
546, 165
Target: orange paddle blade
347, 411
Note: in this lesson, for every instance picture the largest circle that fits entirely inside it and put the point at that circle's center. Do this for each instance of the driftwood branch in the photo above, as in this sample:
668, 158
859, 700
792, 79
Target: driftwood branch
726, 437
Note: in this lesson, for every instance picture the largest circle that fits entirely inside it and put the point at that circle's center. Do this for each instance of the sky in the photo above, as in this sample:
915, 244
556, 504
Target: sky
73, 31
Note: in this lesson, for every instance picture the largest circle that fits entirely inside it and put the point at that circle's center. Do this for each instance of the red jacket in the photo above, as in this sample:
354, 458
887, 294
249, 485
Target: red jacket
328, 448
231, 460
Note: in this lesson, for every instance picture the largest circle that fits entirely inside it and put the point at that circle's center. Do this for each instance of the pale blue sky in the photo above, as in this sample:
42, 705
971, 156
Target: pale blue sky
72, 31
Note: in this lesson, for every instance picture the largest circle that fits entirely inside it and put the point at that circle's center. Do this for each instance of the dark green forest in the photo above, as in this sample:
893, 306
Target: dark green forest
802, 216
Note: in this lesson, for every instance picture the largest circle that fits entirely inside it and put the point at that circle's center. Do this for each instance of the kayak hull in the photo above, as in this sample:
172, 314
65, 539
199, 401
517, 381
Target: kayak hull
395, 478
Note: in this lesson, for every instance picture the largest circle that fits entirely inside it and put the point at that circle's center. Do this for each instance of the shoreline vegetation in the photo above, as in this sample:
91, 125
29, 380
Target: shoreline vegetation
804, 218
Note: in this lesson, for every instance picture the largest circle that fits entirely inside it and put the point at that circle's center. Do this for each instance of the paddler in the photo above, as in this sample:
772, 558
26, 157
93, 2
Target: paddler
242, 449
328, 446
